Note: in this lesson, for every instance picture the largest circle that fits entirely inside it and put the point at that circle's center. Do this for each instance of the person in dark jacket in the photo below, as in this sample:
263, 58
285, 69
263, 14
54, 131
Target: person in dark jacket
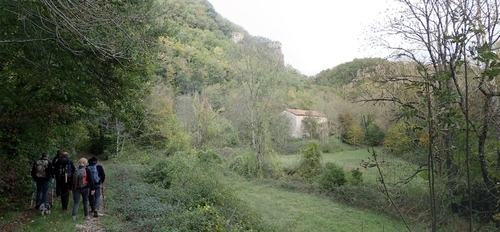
95, 200
64, 169
41, 174
84, 191
55, 164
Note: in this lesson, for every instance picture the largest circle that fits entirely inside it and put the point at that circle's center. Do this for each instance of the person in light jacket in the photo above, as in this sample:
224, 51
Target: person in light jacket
85, 190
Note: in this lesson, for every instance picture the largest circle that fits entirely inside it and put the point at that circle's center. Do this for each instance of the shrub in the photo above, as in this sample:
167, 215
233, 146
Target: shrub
14, 183
208, 156
332, 176
363, 196
183, 194
247, 164
402, 139
310, 162
356, 177
214, 218
374, 136
351, 132
164, 172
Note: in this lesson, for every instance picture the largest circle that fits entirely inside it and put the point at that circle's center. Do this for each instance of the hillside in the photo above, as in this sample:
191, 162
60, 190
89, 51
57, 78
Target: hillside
179, 100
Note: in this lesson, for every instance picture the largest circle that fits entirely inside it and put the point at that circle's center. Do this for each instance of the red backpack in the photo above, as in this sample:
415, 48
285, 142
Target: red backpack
80, 177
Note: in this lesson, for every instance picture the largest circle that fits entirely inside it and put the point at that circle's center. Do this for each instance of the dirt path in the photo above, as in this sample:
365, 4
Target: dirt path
94, 224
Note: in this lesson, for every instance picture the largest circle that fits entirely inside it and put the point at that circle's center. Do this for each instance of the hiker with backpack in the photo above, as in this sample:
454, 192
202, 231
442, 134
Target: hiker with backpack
41, 174
64, 169
55, 164
98, 176
83, 185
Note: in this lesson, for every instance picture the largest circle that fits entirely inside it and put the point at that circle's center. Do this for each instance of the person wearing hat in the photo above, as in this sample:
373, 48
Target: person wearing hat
99, 177
41, 174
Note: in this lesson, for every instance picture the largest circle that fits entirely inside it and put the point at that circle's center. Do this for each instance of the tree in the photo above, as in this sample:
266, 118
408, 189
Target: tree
310, 127
256, 74
373, 134
60, 61
445, 41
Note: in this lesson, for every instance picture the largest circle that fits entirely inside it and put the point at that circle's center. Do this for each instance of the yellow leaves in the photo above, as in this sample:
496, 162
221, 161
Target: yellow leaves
218, 51
496, 217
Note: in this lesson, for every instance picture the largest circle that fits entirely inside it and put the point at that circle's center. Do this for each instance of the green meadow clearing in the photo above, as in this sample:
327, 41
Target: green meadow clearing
392, 167
291, 211
281, 208
296, 211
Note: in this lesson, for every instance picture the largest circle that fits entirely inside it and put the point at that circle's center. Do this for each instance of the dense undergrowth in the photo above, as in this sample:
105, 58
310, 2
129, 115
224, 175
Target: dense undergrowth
192, 191
178, 193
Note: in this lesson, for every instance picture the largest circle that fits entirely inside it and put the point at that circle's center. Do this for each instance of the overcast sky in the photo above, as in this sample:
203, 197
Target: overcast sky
315, 34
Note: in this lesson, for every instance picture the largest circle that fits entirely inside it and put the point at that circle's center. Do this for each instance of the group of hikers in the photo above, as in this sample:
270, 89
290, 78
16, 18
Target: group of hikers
84, 182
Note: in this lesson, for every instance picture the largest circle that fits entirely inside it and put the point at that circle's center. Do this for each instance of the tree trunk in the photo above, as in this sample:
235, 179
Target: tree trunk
482, 142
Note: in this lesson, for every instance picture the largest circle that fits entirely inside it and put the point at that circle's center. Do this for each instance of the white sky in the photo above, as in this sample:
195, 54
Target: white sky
315, 34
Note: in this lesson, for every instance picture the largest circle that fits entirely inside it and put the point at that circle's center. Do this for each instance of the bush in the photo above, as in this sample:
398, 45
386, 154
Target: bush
214, 218
310, 162
247, 164
405, 139
183, 194
15, 183
363, 196
374, 136
164, 172
356, 177
333, 176
208, 156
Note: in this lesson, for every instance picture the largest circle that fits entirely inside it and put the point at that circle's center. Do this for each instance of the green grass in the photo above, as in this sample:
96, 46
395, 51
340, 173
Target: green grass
351, 159
292, 211
282, 209
56, 221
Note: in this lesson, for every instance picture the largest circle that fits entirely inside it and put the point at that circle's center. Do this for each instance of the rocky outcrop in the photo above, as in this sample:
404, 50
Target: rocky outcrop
274, 46
237, 37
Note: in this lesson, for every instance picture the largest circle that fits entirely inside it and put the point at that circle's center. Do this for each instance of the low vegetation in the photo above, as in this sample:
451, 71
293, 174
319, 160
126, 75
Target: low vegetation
198, 192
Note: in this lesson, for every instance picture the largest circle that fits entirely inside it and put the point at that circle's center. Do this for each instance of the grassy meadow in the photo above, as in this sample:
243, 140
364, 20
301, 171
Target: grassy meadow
352, 159
280, 209
292, 211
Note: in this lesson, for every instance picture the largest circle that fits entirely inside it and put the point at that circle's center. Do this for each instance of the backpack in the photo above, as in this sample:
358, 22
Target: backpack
41, 165
65, 171
95, 174
80, 178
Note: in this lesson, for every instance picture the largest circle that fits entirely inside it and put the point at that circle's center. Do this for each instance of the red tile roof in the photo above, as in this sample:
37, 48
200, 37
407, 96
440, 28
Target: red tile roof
306, 113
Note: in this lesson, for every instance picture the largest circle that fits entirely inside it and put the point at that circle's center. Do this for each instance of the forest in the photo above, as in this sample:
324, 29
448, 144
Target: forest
179, 102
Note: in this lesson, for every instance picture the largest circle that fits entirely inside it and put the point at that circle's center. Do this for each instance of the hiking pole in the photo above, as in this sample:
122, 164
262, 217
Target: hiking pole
52, 191
102, 193
33, 196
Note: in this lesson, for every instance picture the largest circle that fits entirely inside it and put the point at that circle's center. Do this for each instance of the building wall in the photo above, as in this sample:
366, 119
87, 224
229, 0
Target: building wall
295, 126
296, 123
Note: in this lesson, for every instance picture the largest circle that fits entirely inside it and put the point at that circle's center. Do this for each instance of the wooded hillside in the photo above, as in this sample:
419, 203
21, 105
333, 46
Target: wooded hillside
166, 78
